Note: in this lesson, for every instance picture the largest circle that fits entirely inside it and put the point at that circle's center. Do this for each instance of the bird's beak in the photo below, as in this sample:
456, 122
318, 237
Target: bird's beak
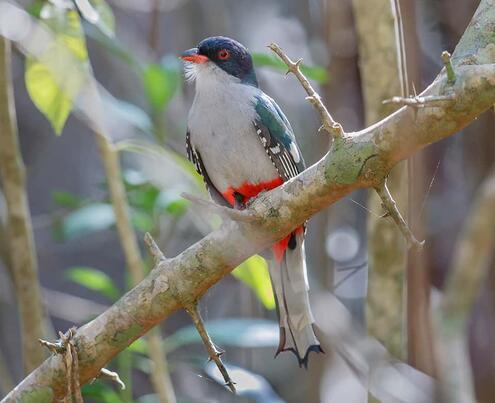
193, 56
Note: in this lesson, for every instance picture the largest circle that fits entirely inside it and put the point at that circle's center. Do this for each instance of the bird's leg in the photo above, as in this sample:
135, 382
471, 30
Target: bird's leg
193, 311
239, 201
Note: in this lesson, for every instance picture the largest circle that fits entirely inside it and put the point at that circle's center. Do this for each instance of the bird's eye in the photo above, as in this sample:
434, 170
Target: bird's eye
223, 54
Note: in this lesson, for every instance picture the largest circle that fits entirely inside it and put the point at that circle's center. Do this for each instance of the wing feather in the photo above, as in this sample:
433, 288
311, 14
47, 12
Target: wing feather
195, 157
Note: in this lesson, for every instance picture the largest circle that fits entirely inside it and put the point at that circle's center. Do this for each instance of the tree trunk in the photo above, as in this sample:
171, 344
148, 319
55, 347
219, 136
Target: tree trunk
380, 76
22, 253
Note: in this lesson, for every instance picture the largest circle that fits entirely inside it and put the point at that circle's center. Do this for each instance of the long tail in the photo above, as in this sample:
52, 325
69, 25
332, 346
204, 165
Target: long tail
290, 286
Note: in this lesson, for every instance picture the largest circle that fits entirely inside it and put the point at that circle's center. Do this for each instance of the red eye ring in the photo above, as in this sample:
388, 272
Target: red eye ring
223, 54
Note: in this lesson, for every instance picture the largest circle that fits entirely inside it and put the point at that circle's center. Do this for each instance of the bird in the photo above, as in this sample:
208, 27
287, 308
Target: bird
241, 143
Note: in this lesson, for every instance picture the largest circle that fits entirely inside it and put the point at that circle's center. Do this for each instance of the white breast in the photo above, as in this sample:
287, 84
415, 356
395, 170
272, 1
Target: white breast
222, 131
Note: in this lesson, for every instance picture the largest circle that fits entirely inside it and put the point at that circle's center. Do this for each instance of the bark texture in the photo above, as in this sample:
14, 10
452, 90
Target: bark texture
357, 160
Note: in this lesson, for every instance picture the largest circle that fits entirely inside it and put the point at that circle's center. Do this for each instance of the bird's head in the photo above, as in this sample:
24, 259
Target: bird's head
219, 52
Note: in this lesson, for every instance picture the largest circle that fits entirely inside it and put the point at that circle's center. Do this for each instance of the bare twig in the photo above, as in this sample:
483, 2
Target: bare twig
22, 259
155, 251
391, 209
111, 376
333, 128
234, 214
448, 67
154, 24
193, 311
422, 101
400, 47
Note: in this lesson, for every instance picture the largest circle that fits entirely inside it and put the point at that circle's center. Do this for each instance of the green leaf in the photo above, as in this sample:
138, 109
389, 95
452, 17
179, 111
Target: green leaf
91, 218
100, 392
66, 199
254, 273
98, 13
316, 73
35, 8
95, 280
52, 80
138, 346
142, 221
247, 333
160, 83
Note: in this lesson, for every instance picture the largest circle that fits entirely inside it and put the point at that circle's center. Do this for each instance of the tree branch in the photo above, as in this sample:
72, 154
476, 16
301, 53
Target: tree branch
392, 210
361, 159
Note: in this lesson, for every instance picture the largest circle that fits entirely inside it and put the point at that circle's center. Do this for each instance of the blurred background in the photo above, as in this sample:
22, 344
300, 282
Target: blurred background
351, 251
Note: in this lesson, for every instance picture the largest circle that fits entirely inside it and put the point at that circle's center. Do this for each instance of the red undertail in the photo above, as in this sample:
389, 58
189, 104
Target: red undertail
249, 190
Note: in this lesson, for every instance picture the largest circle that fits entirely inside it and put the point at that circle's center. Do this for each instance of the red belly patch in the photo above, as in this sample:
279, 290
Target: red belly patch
248, 191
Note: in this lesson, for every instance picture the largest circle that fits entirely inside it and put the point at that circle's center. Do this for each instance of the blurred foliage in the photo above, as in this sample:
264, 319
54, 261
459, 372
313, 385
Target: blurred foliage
161, 82
95, 280
99, 13
67, 199
254, 273
316, 73
246, 333
248, 384
54, 96
241, 333
100, 392
86, 220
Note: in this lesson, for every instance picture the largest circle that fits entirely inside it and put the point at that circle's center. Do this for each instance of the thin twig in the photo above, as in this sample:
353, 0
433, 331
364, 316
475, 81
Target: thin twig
333, 128
391, 209
448, 67
155, 251
422, 101
214, 354
111, 376
154, 31
234, 214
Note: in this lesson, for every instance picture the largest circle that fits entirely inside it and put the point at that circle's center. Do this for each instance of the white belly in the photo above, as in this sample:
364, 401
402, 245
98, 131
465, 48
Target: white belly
222, 131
